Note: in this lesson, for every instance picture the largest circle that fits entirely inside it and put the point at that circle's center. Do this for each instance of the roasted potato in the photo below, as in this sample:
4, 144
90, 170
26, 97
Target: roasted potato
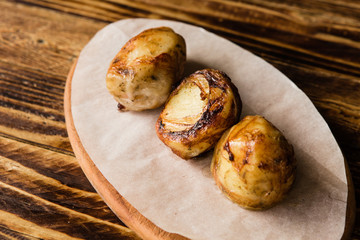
143, 73
253, 164
197, 112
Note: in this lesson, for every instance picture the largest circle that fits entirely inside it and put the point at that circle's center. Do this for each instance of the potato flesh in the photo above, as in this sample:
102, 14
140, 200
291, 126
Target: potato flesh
144, 71
196, 114
185, 108
253, 164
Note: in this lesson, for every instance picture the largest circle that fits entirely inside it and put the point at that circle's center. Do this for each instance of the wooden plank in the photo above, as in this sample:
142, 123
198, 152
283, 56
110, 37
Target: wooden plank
36, 184
39, 212
41, 41
26, 229
286, 27
32, 81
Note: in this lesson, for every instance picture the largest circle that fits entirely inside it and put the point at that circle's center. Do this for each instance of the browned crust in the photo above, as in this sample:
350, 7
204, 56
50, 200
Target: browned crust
118, 63
172, 63
283, 164
211, 117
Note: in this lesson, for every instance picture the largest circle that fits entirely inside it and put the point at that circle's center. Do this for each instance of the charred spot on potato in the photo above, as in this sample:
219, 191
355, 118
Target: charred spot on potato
214, 81
207, 118
121, 107
227, 149
203, 95
245, 161
122, 71
278, 160
247, 155
263, 165
161, 125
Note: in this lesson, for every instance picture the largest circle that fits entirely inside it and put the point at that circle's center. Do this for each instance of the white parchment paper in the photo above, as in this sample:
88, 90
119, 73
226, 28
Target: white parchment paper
181, 196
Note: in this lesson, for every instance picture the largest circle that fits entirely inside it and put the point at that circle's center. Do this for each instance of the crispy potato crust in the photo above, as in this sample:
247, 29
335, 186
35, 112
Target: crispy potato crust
148, 66
197, 112
253, 164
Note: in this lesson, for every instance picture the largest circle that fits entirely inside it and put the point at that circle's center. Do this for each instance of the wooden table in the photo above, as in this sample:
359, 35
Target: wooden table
43, 191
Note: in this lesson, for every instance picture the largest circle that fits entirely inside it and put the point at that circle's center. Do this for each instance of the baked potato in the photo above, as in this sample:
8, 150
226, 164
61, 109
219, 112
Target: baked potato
143, 73
197, 112
253, 164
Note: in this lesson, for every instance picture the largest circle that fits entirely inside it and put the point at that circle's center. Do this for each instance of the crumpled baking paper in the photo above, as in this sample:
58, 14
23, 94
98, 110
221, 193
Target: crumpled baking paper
181, 196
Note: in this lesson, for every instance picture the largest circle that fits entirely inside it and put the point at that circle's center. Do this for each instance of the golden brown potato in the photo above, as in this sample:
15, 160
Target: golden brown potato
253, 164
143, 73
197, 112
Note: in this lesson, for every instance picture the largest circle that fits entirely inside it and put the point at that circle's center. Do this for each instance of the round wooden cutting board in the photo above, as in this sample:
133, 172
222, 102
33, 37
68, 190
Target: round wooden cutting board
123, 209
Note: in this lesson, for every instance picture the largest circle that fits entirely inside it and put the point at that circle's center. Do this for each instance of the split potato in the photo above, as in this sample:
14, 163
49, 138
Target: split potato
253, 164
197, 113
143, 73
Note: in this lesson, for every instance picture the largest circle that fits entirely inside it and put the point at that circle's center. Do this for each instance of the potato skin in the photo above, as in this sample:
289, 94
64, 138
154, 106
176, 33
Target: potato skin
197, 112
253, 164
143, 73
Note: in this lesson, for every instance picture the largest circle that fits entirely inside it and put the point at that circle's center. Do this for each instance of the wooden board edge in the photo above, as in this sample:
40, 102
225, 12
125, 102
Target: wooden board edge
351, 206
118, 204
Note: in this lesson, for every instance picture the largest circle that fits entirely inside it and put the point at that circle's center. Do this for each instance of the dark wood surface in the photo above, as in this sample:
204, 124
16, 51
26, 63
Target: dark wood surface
43, 191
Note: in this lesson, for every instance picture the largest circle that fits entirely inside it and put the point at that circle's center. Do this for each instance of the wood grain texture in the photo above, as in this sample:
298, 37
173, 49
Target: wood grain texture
316, 43
43, 191
37, 184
